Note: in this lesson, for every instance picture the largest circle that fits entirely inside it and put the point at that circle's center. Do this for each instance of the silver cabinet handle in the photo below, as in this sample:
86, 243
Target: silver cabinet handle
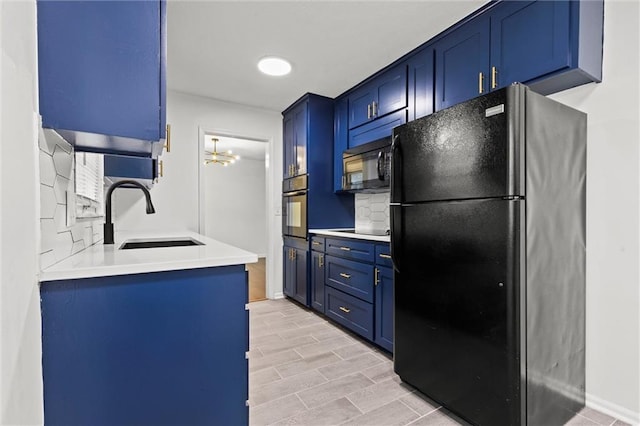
343, 309
343, 275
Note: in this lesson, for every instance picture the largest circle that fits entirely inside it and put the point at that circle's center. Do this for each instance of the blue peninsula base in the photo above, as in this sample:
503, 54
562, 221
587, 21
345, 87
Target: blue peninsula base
161, 348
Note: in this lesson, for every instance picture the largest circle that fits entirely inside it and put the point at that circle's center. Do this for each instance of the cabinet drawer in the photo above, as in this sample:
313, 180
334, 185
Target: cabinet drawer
350, 249
383, 255
351, 277
317, 243
349, 311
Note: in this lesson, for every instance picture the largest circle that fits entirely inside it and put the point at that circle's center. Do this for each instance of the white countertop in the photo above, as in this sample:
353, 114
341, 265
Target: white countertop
101, 260
337, 233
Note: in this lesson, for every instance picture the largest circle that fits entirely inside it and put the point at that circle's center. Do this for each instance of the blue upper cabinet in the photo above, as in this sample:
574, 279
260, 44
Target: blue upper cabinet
300, 139
548, 45
540, 26
383, 95
340, 138
288, 143
462, 60
295, 140
102, 71
420, 82
361, 105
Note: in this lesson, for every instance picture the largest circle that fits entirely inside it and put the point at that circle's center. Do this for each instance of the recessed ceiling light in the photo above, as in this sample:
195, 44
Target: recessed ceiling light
272, 65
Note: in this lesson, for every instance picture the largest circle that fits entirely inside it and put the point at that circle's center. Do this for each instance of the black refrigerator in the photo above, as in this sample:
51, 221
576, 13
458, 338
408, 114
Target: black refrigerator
488, 245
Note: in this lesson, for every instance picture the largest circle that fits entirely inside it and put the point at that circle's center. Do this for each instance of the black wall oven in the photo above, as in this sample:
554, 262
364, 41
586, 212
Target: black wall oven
294, 207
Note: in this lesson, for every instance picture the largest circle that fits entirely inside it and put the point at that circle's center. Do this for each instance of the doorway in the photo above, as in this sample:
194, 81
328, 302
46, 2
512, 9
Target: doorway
233, 202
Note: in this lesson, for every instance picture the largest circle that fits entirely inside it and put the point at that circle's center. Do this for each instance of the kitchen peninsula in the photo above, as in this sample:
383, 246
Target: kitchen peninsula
147, 336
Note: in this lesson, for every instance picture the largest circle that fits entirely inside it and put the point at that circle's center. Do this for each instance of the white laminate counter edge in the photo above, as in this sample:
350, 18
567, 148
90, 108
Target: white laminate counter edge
337, 233
102, 260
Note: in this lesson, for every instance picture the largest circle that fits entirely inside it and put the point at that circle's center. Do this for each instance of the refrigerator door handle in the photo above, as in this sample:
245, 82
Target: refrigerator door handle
396, 161
395, 215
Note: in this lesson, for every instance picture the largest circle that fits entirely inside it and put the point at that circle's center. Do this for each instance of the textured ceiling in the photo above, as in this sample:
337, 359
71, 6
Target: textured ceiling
214, 46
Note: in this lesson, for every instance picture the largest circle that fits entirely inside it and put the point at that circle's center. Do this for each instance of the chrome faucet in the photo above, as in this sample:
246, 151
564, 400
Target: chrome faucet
108, 225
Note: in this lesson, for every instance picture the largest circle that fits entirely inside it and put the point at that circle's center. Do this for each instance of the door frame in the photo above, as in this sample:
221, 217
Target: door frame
270, 196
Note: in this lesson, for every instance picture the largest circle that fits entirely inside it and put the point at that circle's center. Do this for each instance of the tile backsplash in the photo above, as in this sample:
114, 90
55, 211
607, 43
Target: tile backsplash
59, 241
372, 213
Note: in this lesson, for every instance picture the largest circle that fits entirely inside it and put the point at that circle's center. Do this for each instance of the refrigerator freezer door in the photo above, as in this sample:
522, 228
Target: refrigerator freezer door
457, 302
471, 150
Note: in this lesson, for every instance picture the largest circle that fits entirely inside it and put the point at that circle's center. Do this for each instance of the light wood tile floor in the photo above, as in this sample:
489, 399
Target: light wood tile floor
304, 370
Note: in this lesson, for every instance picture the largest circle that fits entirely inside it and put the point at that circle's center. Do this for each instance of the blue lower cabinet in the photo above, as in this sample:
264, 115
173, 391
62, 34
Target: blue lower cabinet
384, 308
295, 268
147, 349
355, 278
351, 312
317, 281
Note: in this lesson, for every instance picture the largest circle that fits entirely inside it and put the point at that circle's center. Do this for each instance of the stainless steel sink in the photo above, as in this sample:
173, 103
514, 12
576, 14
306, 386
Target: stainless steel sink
155, 243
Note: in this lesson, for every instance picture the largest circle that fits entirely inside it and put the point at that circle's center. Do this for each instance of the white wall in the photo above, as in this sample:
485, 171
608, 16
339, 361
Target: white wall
235, 204
613, 189
176, 197
20, 350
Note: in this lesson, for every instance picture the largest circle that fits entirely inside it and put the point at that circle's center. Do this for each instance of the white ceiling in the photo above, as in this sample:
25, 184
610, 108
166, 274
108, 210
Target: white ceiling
214, 46
245, 148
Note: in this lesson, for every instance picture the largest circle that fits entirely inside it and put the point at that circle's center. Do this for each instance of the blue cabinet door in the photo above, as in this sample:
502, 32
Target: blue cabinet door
340, 139
317, 281
528, 40
288, 144
391, 91
288, 271
300, 282
420, 82
462, 61
101, 67
360, 104
384, 308
300, 120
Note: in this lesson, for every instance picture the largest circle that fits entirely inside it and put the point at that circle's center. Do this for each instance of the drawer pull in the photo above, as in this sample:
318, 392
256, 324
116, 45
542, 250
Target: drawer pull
345, 248
343, 309
316, 243
343, 275
385, 256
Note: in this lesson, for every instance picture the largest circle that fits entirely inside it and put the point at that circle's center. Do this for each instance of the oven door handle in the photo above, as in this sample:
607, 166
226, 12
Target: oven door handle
293, 194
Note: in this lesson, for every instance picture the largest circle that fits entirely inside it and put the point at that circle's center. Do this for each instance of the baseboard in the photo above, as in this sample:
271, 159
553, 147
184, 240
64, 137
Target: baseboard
614, 410
279, 295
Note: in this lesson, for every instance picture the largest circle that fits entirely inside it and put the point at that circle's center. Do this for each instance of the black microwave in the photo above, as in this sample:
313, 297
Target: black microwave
367, 168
